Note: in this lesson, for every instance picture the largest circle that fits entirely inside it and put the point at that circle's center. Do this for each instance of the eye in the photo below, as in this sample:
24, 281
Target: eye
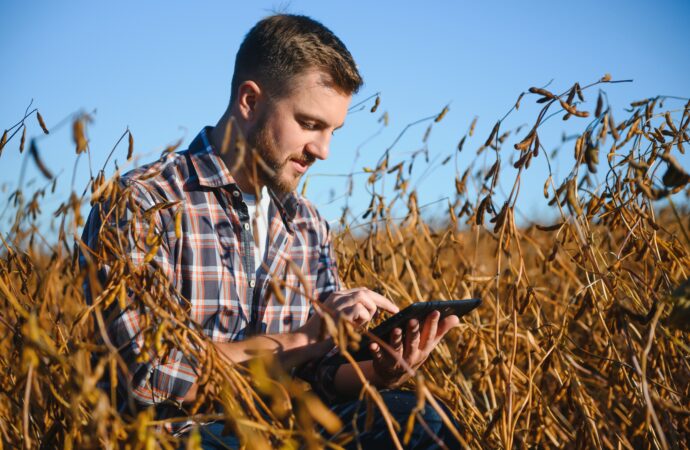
308, 125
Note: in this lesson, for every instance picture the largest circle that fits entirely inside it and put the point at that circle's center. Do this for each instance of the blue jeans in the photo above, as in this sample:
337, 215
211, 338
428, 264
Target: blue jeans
399, 403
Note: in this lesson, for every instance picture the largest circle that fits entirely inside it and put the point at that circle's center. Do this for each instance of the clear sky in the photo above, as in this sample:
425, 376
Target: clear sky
163, 69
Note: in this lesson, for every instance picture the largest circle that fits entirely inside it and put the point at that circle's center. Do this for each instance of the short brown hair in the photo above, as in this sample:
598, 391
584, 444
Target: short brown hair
282, 46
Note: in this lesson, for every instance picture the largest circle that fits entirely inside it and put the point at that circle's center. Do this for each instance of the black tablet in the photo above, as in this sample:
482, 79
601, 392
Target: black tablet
417, 311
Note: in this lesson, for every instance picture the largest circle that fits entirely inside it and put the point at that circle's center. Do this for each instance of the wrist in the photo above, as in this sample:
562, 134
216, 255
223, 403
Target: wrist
311, 330
385, 379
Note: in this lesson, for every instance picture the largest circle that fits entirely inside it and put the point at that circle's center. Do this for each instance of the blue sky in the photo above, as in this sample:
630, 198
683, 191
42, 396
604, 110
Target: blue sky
164, 70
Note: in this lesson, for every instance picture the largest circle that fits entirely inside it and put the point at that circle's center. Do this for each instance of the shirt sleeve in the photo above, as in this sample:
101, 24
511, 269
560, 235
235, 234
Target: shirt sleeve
150, 378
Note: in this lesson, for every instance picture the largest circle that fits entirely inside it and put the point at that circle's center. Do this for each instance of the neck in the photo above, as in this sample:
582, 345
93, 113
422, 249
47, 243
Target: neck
227, 139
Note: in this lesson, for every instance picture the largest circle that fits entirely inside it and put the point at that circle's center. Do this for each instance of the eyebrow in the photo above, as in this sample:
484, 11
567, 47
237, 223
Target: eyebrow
306, 116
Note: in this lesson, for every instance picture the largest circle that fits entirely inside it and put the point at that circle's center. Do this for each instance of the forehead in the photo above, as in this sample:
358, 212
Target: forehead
311, 92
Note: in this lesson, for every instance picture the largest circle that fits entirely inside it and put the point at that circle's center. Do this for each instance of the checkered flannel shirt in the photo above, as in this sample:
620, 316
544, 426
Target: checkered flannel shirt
211, 265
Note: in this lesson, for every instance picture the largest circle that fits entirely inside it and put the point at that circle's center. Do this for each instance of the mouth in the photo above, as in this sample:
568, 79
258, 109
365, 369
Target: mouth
299, 166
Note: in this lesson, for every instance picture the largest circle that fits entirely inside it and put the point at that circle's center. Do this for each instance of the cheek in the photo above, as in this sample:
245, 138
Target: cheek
290, 141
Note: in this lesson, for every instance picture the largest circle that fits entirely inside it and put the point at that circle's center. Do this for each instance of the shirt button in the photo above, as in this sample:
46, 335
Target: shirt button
246, 226
252, 283
235, 193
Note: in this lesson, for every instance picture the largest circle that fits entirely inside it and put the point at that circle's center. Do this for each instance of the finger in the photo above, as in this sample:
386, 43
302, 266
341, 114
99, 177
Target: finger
349, 304
444, 327
345, 300
387, 359
364, 297
390, 356
376, 351
370, 299
428, 339
396, 340
358, 314
359, 297
411, 340
340, 296
447, 324
395, 344
350, 291
382, 302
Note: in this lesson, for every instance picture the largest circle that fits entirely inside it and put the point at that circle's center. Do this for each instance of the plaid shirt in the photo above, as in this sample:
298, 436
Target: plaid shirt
212, 264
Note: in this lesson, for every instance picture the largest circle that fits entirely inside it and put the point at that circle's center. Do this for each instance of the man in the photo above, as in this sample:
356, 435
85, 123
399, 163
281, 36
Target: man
242, 226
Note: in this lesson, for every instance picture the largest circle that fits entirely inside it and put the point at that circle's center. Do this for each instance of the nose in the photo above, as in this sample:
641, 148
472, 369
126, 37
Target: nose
319, 148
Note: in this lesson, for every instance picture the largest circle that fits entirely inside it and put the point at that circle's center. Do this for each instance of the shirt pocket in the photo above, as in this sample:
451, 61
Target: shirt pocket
286, 310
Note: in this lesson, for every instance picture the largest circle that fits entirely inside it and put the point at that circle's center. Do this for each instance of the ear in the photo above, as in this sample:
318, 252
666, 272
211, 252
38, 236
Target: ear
249, 96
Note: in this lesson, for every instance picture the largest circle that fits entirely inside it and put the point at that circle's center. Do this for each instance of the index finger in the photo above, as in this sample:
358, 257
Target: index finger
382, 302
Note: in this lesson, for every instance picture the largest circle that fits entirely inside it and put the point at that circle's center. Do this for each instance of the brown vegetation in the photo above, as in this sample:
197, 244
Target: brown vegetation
581, 340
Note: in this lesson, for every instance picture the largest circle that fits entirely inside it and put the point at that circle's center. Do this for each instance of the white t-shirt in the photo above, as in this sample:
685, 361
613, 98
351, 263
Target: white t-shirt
258, 213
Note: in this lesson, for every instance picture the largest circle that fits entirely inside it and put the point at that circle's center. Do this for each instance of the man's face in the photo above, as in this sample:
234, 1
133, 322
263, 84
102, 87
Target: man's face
295, 130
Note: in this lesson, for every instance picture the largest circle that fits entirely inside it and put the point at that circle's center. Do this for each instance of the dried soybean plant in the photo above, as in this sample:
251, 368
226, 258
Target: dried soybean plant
580, 341
57, 302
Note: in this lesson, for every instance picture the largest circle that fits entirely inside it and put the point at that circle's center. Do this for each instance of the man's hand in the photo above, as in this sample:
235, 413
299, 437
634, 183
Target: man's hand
357, 306
413, 349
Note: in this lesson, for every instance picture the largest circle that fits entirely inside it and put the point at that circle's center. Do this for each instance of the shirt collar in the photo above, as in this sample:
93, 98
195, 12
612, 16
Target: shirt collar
210, 169
287, 204
211, 172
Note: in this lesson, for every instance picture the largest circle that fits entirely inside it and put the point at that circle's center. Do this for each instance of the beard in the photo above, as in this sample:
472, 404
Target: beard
274, 172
